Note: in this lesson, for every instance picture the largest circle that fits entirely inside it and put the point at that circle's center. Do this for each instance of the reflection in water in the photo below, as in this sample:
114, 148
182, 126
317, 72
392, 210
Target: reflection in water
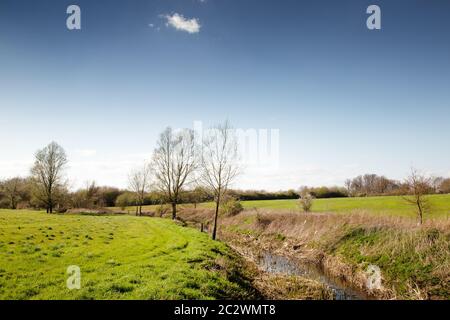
272, 263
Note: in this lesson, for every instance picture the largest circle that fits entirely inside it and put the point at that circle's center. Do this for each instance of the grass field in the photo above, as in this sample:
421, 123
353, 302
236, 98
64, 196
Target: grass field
390, 205
121, 257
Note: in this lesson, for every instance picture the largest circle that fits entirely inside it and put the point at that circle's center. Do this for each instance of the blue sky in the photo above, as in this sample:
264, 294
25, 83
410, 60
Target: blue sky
346, 100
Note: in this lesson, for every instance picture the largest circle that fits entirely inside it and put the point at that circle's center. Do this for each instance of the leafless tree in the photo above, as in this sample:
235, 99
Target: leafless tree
88, 197
445, 186
371, 184
348, 186
381, 184
13, 190
418, 187
219, 164
436, 184
174, 161
47, 173
139, 182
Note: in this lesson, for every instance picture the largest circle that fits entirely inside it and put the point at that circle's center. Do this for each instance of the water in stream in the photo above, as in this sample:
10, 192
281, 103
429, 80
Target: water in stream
273, 263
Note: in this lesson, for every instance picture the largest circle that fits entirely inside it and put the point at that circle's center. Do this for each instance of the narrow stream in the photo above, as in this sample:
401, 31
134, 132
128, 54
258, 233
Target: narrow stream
277, 264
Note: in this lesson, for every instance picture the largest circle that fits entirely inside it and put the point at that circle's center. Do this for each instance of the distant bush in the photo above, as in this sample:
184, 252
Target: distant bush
231, 207
161, 210
125, 199
262, 220
306, 200
245, 195
327, 192
87, 211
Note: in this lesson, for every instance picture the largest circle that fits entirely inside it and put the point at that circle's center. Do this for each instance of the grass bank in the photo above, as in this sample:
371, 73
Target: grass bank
120, 257
414, 261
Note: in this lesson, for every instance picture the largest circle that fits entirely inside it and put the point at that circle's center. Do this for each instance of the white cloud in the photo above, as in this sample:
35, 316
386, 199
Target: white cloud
86, 152
179, 22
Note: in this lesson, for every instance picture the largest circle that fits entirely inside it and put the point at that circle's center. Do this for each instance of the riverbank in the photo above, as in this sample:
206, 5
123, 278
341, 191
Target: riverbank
413, 261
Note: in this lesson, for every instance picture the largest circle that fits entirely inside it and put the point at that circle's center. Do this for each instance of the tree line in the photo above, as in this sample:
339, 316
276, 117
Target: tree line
182, 169
17, 192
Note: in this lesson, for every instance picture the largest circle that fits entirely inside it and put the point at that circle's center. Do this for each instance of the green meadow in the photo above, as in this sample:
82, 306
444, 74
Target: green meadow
390, 205
120, 257
387, 205
439, 206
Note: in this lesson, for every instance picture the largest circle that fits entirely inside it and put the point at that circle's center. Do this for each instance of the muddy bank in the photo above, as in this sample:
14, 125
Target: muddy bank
277, 284
275, 262
340, 290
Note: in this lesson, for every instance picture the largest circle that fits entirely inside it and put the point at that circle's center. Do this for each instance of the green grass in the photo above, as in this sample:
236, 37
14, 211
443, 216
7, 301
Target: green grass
407, 259
121, 257
392, 205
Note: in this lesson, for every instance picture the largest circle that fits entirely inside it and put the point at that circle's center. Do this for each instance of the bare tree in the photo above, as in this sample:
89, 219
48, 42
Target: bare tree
436, 184
88, 197
174, 163
348, 186
47, 173
418, 187
139, 182
13, 190
445, 186
219, 164
382, 185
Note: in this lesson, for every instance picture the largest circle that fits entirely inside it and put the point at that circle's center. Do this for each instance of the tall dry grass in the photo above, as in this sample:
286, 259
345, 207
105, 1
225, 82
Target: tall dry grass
415, 260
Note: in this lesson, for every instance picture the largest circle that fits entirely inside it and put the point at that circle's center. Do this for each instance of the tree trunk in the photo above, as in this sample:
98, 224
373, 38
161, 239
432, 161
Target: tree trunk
50, 201
420, 215
420, 211
140, 210
174, 210
215, 218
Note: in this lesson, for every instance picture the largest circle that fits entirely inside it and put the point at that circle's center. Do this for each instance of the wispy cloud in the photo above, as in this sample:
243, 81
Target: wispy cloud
179, 22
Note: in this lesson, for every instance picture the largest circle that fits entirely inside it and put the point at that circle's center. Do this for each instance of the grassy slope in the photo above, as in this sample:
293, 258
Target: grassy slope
120, 257
389, 205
